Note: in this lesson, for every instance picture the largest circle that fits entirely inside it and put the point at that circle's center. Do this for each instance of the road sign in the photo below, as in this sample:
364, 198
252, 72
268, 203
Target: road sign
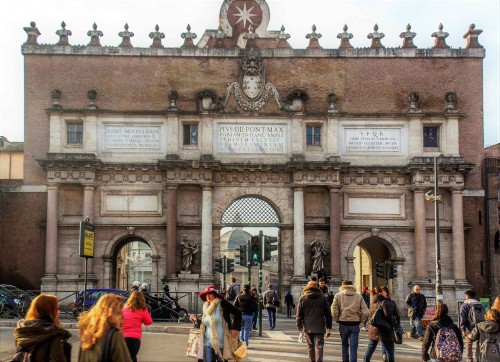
87, 239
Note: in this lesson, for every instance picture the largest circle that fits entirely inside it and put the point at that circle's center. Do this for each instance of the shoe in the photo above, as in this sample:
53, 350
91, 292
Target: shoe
364, 329
254, 328
414, 336
420, 338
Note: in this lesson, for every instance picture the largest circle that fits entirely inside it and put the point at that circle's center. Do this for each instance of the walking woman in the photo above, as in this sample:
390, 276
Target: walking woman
100, 332
135, 313
451, 334
42, 333
487, 330
384, 334
218, 315
246, 303
289, 303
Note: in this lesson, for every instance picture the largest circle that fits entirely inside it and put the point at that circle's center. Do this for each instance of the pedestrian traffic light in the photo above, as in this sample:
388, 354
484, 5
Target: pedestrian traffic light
229, 265
393, 271
218, 265
381, 270
255, 250
242, 256
270, 245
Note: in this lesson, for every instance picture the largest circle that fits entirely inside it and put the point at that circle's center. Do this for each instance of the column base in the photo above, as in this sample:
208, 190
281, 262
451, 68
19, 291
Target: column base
49, 283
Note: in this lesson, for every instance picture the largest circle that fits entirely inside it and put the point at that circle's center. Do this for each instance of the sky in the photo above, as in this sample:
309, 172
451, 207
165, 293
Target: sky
297, 16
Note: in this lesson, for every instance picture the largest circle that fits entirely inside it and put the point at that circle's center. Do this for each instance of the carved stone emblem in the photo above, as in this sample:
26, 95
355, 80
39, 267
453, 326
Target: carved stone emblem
252, 81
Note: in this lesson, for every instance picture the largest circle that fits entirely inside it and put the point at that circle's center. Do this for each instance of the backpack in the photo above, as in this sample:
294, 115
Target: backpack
231, 293
475, 315
447, 346
489, 349
276, 301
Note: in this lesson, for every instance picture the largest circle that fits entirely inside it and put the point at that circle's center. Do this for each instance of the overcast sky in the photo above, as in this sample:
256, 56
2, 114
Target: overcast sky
172, 16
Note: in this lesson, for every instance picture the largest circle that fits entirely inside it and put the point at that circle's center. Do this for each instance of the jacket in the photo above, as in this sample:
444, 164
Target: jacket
348, 307
391, 316
118, 350
464, 314
481, 332
288, 298
231, 315
133, 320
46, 339
268, 298
313, 312
246, 303
416, 304
431, 333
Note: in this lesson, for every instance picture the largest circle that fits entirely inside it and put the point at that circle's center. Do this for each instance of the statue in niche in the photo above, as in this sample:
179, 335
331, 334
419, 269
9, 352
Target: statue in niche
189, 248
318, 254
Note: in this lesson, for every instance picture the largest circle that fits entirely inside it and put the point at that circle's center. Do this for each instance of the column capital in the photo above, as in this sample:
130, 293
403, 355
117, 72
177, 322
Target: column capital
172, 186
334, 188
457, 190
419, 189
88, 186
52, 186
207, 187
298, 187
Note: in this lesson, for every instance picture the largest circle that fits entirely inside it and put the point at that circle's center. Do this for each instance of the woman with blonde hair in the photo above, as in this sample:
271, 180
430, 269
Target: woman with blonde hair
488, 331
135, 313
496, 303
100, 332
40, 332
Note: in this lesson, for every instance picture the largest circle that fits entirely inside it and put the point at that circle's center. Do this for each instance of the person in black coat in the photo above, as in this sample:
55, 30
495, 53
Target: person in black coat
416, 304
289, 303
247, 304
440, 320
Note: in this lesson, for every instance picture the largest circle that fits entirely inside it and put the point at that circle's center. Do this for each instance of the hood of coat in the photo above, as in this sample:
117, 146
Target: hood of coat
311, 291
348, 289
30, 333
491, 327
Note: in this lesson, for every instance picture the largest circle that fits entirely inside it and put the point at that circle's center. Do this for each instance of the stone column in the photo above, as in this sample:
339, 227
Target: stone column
88, 211
335, 262
108, 267
171, 251
420, 234
206, 233
51, 238
299, 266
458, 234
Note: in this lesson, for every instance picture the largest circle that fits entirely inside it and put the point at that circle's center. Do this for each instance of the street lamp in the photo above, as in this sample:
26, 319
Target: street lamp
432, 195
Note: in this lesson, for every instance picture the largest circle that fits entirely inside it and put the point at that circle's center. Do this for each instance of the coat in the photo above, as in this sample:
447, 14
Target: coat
46, 339
479, 333
268, 298
391, 315
416, 304
118, 350
246, 303
431, 333
133, 320
313, 311
231, 315
349, 307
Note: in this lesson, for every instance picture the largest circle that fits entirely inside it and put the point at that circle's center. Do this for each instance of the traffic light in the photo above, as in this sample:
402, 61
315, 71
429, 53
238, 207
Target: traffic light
270, 245
393, 271
218, 265
381, 270
229, 265
243, 255
255, 250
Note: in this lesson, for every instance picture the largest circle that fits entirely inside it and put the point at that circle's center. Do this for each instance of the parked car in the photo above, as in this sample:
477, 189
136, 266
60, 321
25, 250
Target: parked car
14, 302
93, 296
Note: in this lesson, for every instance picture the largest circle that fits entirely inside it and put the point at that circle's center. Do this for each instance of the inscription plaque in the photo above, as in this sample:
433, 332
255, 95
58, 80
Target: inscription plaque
132, 137
251, 139
372, 140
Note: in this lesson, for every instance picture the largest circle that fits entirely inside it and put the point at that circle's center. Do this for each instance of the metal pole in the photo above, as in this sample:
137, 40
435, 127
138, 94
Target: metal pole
249, 264
260, 293
85, 285
439, 287
224, 270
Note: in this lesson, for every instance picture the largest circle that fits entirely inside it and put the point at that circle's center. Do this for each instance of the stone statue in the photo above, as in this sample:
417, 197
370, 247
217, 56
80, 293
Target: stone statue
189, 248
318, 254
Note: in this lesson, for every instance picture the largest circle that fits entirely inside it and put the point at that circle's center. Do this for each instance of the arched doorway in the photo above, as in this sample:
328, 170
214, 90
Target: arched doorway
243, 217
132, 261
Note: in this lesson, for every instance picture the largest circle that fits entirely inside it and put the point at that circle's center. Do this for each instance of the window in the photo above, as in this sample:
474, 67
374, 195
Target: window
313, 135
190, 134
431, 136
75, 132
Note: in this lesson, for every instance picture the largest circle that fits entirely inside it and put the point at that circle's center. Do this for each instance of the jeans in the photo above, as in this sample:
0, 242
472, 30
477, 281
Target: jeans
133, 345
271, 312
315, 343
416, 328
289, 308
387, 349
210, 355
255, 317
469, 349
246, 326
349, 336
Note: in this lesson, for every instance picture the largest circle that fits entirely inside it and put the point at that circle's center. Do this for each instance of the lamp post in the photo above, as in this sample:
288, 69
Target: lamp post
433, 196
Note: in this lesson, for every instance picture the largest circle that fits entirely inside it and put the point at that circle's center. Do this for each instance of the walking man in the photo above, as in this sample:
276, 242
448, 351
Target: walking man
366, 297
471, 313
233, 290
349, 310
314, 318
416, 304
246, 303
271, 302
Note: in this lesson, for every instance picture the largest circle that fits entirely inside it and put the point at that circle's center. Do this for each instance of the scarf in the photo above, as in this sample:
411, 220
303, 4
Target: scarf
209, 310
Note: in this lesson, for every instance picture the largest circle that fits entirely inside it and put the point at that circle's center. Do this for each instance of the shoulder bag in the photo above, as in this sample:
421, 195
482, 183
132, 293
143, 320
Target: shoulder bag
194, 347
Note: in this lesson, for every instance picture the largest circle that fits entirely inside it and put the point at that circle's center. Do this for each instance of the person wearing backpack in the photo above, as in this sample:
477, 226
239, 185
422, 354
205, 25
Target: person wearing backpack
488, 334
233, 291
269, 297
443, 337
471, 314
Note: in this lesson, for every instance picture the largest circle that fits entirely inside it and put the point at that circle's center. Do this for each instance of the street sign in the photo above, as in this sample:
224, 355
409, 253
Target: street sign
87, 239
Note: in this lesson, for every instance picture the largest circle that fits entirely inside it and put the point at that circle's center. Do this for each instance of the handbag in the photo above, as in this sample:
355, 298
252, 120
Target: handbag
378, 321
194, 347
398, 334
234, 349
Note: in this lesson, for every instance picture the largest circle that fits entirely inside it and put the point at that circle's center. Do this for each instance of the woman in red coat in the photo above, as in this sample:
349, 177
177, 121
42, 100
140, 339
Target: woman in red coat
135, 313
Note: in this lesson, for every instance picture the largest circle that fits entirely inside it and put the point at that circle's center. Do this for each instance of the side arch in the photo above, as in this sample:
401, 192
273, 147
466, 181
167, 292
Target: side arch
384, 238
116, 240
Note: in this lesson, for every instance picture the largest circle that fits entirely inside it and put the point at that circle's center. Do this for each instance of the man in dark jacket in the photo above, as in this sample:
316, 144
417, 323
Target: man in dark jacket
466, 324
247, 304
314, 318
416, 304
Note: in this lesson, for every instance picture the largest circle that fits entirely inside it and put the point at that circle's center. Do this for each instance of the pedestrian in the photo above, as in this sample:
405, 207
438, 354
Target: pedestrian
471, 314
390, 318
314, 318
246, 303
136, 285
216, 310
289, 303
443, 337
488, 335
232, 291
416, 304
271, 304
135, 314
100, 330
366, 297
40, 333
256, 310
322, 286
349, 311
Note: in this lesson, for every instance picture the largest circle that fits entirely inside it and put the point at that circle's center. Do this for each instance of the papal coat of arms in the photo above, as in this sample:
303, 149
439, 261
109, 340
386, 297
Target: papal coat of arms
252, 75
